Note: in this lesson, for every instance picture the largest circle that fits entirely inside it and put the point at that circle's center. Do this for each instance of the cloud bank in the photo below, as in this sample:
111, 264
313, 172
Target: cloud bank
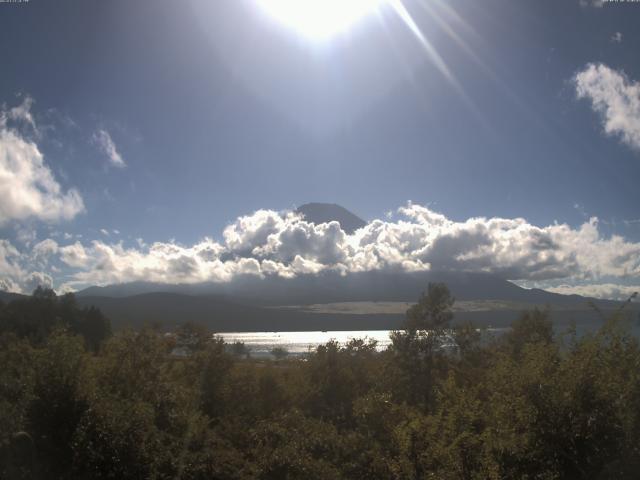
28, 188
615, 98
269, 243
599, 290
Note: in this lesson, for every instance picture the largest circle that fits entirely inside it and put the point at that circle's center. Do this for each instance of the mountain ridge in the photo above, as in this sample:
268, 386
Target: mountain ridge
318, 213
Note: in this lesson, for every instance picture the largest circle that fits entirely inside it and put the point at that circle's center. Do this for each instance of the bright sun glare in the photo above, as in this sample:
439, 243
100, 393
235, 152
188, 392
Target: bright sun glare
320, 19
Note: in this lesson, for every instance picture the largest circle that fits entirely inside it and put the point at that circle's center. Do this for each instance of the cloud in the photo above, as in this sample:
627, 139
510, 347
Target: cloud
35, 280
44, 250
603, 290
74, 255
592, 3
283, 244
13, 275
103, 140
616, 37
615, 98
10, 270
22, 113
27, 185
268, 243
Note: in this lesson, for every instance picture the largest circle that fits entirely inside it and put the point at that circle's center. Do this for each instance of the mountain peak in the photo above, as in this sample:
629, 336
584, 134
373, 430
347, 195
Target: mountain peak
327, 212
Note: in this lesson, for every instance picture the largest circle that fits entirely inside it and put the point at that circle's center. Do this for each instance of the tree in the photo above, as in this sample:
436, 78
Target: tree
416, 349
279, 353
214, 365
36, 317
94, 327
239, 349
533, 326
433, 310
193, 336
58, 401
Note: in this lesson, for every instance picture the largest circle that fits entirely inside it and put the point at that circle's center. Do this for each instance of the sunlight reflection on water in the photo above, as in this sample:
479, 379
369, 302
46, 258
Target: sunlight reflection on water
260, 344
301, 342
298, 343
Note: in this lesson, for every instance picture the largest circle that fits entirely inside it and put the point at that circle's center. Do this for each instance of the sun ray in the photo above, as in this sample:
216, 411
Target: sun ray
437, 59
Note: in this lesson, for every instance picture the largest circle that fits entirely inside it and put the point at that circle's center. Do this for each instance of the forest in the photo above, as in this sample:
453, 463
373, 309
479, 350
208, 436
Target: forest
78, 401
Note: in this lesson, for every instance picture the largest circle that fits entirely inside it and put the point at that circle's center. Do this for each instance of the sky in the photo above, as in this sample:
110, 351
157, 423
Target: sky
169, 141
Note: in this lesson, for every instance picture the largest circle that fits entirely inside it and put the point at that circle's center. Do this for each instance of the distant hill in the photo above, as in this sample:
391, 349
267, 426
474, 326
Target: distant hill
219, 314
363, 301
376, 286
327, 212
7, 297
277, 304
167, 310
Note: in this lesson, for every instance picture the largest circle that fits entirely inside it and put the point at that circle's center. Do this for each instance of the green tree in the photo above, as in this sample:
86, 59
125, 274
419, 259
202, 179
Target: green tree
214, 365
58, 401
433, 310
279, 353
533, 326
239, 349
417, 351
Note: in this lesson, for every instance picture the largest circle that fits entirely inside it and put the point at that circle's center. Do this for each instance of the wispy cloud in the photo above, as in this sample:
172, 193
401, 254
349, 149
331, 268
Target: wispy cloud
616, 37
592, 3
103, 140
615, 97
22, 113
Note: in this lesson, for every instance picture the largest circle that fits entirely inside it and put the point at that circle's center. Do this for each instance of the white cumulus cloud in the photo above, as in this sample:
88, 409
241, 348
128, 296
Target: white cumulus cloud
615, 97
28, 188
271, 243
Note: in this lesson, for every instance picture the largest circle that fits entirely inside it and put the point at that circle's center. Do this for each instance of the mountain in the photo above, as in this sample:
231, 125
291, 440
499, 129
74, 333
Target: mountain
329, 287
359, 301
326, 212
221, 314
328, 301
375, 299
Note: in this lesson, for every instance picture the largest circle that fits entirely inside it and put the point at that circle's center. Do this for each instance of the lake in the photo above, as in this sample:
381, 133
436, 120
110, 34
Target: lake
260, 344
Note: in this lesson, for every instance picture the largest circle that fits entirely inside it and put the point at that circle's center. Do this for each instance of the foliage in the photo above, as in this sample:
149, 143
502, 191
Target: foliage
440, 402
35, 317
239, 349
279, 353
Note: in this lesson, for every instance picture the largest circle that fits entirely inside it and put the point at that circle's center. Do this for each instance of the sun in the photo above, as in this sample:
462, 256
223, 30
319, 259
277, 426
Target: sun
320, 19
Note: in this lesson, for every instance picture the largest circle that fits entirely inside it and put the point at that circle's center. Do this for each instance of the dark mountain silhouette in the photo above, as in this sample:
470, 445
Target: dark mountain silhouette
220, 314
375, 286
277, 304
250, 303
326, 212
7, 297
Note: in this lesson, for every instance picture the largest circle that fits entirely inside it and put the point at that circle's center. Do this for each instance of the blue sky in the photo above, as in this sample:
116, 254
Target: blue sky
170, 120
